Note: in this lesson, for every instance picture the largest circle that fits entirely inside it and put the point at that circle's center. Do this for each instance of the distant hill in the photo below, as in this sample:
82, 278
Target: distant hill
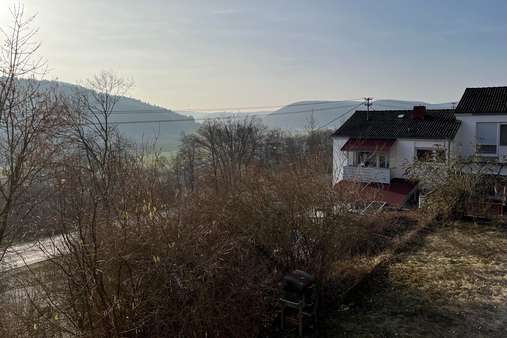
221, 115
167, 134
299, 116
295, 117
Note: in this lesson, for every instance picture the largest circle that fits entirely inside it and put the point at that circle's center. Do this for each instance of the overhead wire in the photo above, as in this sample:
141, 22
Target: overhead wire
228, 117
340, 116
224, 109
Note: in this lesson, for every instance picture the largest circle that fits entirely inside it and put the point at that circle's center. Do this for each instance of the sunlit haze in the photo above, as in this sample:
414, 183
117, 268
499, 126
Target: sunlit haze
241, 53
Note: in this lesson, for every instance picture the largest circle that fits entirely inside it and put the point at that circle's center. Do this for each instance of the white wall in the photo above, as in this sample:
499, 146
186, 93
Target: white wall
339, 158
465, 139
401, 155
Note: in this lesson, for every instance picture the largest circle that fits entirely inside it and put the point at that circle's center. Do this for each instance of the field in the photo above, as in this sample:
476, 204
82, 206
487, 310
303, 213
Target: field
451, 283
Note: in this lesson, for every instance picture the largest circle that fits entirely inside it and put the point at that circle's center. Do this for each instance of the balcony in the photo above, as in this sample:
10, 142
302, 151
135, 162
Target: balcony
367, 174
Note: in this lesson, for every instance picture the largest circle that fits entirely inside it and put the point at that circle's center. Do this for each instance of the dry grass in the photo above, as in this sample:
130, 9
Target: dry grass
20, 291
453, 284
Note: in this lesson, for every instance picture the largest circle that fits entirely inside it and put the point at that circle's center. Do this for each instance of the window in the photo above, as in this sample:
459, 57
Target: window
503, 134
430, 155
486, 137
383, 161
424, 155
367, 159
371, 159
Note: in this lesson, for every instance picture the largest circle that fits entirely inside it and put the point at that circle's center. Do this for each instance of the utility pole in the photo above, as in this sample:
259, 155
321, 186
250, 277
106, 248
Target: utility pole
368, 103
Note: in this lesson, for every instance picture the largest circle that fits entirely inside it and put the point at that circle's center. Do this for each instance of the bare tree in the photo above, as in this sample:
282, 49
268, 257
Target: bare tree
29, 124
187, 164
93, 180
91, 114
230, 146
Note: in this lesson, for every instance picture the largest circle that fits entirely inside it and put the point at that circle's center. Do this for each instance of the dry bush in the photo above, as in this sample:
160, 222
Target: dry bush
450, 186
207, 265
143, 258
21, 311
133, 268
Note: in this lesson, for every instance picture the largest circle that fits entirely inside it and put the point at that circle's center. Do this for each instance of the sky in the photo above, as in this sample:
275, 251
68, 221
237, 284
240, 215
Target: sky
205, 54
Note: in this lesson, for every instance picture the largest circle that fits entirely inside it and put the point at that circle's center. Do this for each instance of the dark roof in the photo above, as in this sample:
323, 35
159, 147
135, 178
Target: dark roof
486, 100
391, 124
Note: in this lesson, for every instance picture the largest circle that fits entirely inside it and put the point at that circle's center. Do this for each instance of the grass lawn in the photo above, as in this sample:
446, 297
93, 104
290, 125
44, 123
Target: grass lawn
453, 283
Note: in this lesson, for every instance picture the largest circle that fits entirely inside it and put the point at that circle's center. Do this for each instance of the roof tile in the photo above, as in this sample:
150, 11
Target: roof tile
486, 100
392, 124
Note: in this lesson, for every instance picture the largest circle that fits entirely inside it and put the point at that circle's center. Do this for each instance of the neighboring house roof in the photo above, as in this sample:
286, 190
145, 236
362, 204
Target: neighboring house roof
438, 124
486, 100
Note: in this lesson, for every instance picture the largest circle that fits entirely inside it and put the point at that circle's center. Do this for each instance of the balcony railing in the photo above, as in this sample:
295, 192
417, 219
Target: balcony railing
367, 174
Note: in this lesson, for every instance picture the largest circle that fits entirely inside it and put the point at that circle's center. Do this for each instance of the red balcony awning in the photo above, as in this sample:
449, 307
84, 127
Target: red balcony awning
357, 144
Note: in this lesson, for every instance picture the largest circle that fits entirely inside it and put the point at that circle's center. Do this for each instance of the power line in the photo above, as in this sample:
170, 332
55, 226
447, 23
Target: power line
222, 109
341, 115
312, 110
224, 117
191, 110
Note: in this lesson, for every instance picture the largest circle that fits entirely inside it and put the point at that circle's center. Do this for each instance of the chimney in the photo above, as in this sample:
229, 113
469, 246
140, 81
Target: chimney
419, 112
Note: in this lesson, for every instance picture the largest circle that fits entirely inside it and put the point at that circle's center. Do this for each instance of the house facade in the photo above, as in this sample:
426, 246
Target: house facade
483, 116
375, 148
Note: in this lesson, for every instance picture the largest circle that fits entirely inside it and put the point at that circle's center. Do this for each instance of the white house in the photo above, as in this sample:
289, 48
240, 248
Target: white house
483, 116
375, 148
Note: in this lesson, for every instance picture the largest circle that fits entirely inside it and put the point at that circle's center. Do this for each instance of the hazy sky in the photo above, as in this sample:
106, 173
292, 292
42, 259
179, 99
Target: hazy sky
241, 53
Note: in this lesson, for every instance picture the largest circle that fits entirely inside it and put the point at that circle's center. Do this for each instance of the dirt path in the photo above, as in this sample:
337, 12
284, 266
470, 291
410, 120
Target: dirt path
452, 284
